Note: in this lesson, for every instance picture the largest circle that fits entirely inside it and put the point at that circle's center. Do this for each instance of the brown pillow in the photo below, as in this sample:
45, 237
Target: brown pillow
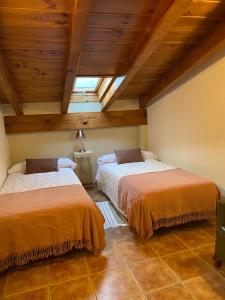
128, 156
41, 165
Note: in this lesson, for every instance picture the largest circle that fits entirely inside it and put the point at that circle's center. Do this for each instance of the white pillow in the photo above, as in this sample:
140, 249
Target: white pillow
108, 158
149, 155
18, 168
111, 158
63, 162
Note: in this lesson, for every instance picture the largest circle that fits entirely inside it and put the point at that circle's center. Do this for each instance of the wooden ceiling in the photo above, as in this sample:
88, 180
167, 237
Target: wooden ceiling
45, 44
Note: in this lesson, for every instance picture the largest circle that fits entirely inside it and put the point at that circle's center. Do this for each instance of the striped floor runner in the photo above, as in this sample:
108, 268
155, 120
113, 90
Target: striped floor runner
113, 218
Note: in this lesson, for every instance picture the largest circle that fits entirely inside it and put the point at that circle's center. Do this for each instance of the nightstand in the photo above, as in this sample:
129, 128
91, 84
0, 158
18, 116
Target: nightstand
84, 168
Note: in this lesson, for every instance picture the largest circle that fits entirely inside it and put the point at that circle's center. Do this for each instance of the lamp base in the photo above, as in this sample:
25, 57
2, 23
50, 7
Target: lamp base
82, 147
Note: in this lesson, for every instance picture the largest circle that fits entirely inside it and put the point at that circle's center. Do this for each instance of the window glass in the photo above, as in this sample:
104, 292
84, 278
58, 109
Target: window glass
86, 84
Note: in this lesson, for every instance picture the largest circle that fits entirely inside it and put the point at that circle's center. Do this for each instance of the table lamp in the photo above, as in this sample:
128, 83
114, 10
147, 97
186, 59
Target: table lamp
80, 135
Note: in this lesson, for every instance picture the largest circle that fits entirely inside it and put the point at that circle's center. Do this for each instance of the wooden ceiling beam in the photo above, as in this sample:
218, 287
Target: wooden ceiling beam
9, 90
163, 19
80, 13
203, 51
54, 122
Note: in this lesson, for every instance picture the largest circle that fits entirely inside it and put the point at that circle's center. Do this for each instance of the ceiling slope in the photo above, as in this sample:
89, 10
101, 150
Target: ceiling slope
208, 47
8, 88
164, 18
80, 13
46, 44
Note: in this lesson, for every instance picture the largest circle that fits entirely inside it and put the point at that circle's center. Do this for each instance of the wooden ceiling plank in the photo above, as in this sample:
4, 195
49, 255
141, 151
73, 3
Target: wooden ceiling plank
161, 22
141, 7
199, 55
38, 4
9, 90
26, 17
53, 122
80, 14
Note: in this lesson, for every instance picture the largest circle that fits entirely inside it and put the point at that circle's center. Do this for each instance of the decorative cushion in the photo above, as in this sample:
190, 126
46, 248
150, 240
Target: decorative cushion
128, 156
41, 165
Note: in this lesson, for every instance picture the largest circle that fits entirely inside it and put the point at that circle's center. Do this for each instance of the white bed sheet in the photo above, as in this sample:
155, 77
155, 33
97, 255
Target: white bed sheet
18, 182
108, 175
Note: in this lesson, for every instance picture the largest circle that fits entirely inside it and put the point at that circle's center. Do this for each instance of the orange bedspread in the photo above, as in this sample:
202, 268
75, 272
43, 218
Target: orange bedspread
167, 198
45, 222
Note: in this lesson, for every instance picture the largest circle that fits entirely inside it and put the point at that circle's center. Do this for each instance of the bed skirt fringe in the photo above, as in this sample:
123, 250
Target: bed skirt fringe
41, 253
197, 216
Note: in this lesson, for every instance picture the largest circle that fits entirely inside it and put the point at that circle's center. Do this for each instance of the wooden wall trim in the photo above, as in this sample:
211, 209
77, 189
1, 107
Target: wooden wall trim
58, 122
163, 19
8, 88
80, 13
198, 56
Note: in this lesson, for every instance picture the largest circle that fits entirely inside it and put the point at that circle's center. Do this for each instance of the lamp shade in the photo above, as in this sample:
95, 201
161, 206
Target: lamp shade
80, 134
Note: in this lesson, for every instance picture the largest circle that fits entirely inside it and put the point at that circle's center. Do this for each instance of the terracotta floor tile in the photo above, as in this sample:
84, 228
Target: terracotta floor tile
136, 252
78, 289
175, 292
194, 237
187, 265
29, 277
153, 274
116, 284
135, 298
206, 252
210, 229
168, 244
66, 268
124, 234
41, 294
2, 284
110, 258
210, 287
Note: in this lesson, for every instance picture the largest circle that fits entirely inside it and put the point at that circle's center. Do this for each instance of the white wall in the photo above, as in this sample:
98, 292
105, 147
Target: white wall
4, 151
63, 143
187, 126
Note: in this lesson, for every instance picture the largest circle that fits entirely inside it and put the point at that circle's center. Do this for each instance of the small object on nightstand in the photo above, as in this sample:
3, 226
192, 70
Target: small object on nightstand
84, 168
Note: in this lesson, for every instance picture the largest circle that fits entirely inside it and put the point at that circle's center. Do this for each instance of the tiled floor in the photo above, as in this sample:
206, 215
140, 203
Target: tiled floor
175, 264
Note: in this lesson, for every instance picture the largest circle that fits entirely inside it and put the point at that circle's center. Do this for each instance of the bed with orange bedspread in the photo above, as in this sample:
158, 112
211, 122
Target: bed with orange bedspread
152, 194
46, 222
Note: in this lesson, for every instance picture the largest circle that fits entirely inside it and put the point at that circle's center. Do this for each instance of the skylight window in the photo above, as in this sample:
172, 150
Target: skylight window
87, 84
